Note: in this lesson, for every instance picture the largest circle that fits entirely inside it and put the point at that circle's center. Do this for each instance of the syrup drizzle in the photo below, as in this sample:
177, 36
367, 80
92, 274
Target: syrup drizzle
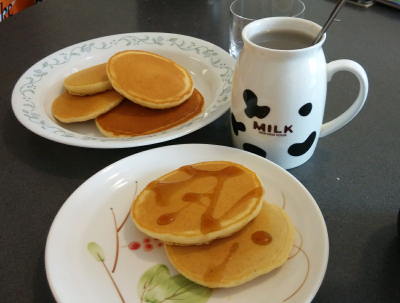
255, 193
261, 237
165, 190
216, 273
169, 218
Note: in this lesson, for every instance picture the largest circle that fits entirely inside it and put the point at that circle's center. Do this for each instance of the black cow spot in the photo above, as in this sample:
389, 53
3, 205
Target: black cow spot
305, 110
300, 149
237, 125
254, 149
252, 108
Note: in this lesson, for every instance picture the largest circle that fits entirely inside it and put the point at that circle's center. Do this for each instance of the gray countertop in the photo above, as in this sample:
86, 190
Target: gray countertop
354, 174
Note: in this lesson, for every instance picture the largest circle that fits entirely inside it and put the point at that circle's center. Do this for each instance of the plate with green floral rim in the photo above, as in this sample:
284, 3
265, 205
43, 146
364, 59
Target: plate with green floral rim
94, 252
210, 67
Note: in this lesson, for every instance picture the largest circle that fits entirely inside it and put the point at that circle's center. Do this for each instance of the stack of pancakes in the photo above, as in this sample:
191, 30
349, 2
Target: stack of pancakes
135, 93
217, 229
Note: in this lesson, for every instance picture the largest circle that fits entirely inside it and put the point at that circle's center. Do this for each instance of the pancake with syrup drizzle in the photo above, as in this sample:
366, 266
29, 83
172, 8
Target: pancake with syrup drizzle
130, 119
149, 79
261, 246
69, 108
89, 81
198, 203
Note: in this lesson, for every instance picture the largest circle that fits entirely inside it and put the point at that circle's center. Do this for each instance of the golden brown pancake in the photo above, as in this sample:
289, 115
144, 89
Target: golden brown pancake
88, 81
261, 246
198, 203
149, 79
70, 108
130, 119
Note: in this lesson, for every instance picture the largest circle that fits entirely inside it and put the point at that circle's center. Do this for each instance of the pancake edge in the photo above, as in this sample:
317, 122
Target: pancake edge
91, 89
114, 135
87, 117
87, 89
203, 239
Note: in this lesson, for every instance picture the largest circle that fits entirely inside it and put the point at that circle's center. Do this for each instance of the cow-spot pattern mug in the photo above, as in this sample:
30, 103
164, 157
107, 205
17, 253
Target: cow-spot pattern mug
278, 96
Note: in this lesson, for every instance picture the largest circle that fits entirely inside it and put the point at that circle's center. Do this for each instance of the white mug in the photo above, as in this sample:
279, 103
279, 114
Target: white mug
278, 96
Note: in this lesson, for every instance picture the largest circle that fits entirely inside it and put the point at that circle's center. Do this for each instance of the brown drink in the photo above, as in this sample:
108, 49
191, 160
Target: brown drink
283, 39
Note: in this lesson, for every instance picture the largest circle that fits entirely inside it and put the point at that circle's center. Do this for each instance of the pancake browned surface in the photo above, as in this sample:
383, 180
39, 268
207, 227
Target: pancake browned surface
261, 246
149, 79
88, 81
130, 119
198, 203
70, 108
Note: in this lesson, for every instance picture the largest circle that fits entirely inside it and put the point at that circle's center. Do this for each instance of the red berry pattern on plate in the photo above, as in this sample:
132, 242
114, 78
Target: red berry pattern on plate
134, 245
147, 246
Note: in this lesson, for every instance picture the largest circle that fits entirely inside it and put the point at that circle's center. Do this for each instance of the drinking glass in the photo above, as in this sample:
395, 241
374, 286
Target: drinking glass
245, 11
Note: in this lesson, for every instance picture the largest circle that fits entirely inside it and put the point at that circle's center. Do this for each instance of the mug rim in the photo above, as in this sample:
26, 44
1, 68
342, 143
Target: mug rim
250, 19
249, 26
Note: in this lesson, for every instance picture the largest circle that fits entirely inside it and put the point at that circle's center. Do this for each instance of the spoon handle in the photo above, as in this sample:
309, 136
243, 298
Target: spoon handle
328, 23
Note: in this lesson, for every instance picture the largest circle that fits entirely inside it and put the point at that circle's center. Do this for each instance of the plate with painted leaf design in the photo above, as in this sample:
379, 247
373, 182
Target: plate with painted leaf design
210, 67
94, 252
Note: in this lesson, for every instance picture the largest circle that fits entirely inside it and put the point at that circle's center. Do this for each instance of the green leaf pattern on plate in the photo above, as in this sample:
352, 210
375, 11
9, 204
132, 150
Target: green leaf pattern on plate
27, 90
184, 290
96, 251
156, 286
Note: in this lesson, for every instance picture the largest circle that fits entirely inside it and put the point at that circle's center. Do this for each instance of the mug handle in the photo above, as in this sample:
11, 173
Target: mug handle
349, 114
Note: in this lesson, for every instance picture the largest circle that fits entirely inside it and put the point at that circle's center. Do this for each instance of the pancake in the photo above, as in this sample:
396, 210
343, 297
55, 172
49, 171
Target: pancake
261, 246
69, 108
130, 119
90, 81
198, 203
149, 79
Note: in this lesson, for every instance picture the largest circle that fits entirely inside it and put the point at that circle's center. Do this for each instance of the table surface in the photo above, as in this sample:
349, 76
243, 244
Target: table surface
354, 174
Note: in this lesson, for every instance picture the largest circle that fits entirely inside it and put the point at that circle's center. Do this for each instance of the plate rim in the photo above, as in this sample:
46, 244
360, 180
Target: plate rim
111, 143
325, 245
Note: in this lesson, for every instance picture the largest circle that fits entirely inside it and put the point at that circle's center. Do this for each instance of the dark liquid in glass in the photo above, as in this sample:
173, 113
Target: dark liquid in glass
283, 39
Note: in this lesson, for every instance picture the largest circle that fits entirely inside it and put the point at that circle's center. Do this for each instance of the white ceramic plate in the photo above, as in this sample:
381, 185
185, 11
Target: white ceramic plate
210, 67
79, 272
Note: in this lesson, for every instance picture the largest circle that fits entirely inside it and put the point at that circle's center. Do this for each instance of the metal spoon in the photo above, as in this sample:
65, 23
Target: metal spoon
328, 23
